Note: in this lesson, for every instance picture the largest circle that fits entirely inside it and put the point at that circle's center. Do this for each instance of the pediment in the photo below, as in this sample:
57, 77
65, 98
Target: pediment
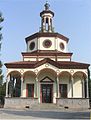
46, 79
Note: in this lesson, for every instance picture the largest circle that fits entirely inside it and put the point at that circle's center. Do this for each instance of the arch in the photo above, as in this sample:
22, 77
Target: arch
29, 77
28, 72
64, 81
64, 72
47, 72
47, 79
80, 82
81, 74
46, 19
14, 85
14, 73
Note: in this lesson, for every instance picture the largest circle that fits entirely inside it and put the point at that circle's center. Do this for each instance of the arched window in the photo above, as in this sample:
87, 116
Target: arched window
47, 24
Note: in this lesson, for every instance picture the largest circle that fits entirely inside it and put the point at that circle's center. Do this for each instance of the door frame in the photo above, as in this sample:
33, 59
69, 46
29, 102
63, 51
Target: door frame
51, 85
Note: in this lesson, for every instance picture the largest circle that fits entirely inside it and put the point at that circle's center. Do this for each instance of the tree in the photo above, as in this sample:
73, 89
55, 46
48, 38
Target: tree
2, 86
1, 75
2, 89
2, 94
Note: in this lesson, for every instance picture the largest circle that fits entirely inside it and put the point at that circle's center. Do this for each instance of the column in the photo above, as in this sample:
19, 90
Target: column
58, 95
21, 86
36, 87
72, 82
87, 88
7, 81
44, 24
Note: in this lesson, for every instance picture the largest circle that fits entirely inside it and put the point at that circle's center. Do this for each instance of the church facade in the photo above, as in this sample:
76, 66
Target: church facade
46, 73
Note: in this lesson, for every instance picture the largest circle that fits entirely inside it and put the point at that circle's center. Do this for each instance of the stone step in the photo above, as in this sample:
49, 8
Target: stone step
42, 106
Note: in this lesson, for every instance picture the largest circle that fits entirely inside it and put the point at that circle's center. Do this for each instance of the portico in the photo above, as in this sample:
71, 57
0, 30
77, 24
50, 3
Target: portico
63, 83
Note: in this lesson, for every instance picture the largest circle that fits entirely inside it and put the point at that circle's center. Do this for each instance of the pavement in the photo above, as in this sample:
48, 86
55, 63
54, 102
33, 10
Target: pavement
44, 114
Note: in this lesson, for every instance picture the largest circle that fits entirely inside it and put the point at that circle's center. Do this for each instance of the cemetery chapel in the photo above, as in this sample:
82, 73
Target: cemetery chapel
47, 73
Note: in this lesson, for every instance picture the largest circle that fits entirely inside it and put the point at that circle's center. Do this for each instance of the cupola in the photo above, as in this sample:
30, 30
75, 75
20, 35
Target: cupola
46, 19
46, 39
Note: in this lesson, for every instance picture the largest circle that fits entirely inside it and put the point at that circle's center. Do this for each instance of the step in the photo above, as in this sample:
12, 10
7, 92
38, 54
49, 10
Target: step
42, 106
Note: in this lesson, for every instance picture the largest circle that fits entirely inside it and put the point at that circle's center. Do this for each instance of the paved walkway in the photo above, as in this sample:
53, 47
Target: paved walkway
45, 111
32, 114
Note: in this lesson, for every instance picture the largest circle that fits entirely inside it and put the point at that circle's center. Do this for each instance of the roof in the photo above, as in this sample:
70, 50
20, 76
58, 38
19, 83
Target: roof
45, 11
46, 53
58, 64
42, 34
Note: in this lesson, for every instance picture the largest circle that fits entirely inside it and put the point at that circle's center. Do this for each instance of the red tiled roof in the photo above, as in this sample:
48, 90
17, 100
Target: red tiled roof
41, 34
46, 52
59, 64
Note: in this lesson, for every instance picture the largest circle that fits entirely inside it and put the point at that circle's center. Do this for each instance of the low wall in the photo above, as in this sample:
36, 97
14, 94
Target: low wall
20, 102
73, 102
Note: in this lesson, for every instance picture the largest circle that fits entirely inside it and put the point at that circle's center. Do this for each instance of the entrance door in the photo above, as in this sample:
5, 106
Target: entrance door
46, 90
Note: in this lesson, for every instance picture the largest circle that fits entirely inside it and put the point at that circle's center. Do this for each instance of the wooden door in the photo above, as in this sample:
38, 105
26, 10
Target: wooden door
46, 90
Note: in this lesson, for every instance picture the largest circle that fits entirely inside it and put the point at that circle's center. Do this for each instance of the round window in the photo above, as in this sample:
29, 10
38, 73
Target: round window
62, 46
32, 45
47, 43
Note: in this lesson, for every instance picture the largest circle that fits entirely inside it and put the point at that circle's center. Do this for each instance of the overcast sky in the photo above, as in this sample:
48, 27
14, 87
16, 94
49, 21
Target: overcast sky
22, 18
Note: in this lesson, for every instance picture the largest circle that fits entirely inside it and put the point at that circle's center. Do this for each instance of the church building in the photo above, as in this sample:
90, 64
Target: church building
47, 73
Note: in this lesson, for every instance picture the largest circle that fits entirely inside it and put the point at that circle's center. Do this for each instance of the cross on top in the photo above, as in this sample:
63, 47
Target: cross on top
47, 5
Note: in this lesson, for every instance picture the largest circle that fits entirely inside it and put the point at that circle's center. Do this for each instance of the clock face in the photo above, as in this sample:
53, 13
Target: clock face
47, 43
62, 46
32, 45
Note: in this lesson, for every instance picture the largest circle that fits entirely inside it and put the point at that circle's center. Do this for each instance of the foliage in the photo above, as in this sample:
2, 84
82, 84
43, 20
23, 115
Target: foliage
2, 94
2, 86
1, 20
2, 89
1, 76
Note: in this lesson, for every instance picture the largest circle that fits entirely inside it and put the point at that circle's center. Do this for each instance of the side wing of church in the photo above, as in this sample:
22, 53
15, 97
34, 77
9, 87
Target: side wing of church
46, 73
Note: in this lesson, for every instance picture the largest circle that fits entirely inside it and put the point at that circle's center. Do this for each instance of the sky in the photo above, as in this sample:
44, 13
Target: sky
22, 18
